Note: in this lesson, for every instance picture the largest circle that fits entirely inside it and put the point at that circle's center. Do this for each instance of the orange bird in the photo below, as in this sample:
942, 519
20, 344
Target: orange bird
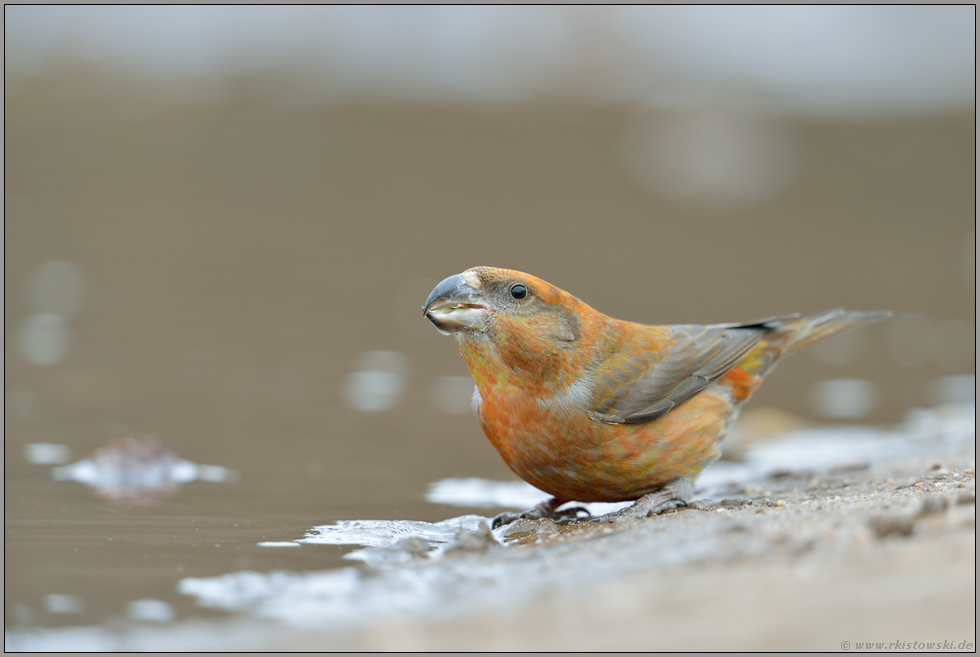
594, 409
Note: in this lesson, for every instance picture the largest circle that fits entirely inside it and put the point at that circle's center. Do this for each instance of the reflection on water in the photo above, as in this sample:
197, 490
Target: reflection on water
55, 291
20, 404
958, 390
476, 492
848, 399
138, 470
150, 610
839, 349
711, 154
907, 339
47, 453
44, 339
379, 381
58, 603
453, 394
954, 343
56, 287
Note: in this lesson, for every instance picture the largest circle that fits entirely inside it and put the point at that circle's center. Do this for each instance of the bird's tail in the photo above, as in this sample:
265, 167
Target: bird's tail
787, 335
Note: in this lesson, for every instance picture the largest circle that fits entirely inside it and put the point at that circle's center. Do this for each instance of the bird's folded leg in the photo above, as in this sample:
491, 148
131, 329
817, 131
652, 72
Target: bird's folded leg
545, 509
675, 494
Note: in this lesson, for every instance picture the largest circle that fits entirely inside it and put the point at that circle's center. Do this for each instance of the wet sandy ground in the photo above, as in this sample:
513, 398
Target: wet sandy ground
831, 562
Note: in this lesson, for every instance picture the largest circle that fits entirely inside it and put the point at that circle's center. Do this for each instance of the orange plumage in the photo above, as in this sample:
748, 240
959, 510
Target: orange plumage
590, 408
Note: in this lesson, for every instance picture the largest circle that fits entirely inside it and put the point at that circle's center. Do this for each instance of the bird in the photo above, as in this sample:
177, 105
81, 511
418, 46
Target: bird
588, 408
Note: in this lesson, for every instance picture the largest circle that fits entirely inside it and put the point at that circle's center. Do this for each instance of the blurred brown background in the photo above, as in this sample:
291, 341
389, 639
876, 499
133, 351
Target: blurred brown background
218, 258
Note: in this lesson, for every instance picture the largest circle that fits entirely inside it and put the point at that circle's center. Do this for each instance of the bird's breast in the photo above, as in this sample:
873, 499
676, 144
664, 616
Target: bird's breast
554, 444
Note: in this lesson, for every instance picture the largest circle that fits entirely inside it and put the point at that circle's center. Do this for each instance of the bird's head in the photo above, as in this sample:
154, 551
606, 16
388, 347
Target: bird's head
526, 321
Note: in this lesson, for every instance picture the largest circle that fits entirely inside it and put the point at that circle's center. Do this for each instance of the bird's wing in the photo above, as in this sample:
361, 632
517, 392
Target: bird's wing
632, 387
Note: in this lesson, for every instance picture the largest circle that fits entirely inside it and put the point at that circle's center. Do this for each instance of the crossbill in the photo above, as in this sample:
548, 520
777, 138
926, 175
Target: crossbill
593, 409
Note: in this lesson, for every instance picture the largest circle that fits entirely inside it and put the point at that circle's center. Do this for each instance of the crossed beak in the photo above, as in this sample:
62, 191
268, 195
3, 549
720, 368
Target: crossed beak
456, 304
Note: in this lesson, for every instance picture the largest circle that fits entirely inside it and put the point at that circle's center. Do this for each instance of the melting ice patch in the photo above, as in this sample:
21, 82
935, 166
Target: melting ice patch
352, 595
138, 470
391, 542
386, 533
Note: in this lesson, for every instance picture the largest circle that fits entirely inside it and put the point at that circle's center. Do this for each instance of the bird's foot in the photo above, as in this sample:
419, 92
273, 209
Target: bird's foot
674, 495
573, 514
547, 509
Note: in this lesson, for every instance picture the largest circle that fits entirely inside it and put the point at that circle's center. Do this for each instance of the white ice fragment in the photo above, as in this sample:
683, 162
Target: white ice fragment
387, 533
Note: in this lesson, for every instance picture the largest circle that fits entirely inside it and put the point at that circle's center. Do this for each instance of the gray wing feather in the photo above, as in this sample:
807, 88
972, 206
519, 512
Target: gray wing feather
700, 355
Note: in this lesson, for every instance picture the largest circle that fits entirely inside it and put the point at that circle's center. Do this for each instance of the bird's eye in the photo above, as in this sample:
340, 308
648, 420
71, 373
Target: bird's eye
518, 291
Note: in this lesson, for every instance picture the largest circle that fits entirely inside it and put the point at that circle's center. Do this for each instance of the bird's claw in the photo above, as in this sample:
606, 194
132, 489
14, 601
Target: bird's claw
502, 519
652, 504
547, 509
632, 512
574, 514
